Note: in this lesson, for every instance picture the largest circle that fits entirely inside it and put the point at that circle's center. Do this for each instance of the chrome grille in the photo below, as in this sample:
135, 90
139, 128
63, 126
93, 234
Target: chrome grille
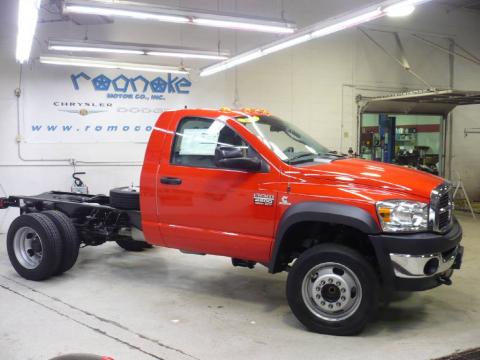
441, 207
443, 220
444, 200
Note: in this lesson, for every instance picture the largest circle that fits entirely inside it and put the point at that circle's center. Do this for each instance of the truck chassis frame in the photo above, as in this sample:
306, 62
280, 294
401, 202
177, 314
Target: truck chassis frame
95, 220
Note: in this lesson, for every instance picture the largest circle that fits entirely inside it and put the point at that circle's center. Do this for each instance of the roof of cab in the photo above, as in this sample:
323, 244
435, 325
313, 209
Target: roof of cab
222, 111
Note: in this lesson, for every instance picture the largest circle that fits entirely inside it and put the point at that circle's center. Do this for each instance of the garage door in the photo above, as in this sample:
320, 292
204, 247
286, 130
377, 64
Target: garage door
424, 102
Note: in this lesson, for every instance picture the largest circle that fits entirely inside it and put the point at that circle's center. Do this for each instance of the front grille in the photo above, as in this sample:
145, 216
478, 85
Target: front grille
443, 220
444, 200
441, 206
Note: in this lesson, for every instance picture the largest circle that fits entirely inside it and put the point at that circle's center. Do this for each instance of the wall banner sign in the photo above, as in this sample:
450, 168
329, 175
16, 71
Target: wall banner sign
98, 105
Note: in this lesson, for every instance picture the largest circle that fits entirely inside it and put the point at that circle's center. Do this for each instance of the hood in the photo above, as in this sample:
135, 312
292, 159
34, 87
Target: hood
373, 174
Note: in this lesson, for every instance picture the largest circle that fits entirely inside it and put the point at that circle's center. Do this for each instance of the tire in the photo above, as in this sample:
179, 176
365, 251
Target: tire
34, 246
125, 198
133, 245
333, 290
70, 240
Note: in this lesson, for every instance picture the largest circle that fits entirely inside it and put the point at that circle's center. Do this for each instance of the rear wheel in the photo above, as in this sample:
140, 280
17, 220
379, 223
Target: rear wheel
133, 245
333, 290
34, 246
70, 240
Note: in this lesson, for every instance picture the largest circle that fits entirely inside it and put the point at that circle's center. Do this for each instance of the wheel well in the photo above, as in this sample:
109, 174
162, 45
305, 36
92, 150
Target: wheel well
306, 234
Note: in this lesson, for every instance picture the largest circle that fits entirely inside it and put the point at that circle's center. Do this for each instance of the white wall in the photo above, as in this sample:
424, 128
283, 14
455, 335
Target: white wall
313, 85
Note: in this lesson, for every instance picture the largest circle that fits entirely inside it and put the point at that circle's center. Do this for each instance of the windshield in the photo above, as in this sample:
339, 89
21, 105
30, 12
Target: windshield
288, 142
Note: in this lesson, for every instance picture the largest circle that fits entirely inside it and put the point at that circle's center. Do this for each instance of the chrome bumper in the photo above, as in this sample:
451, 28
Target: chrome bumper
423, 266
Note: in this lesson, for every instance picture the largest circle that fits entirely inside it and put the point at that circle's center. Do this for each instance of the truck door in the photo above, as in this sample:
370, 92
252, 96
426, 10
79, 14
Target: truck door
206, 209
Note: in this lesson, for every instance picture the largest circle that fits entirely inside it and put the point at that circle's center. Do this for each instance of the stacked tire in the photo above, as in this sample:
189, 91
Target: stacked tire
41, 245
125, 198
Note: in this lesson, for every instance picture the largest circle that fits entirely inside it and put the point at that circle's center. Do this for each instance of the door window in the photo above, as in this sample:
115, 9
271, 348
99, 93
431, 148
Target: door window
197, 139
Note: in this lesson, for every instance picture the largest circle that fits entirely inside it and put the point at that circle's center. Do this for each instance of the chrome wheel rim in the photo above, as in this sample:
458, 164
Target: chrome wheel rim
331, 291
28, 248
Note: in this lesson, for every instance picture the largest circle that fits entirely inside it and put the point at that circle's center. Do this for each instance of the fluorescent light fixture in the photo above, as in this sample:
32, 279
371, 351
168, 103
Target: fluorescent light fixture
322, 28
143, 11
92, 10
187, 55
27, 24
342, 25
244, 26
134, 49
400, 10
110, 64
287, 44
94, 49
293, 40
229, 64
251, 56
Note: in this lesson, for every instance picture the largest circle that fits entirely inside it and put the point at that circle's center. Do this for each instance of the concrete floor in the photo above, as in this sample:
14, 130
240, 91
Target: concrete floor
162, 304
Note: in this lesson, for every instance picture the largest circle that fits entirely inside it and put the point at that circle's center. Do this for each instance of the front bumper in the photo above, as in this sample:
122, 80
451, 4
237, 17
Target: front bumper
421, 261
420, 266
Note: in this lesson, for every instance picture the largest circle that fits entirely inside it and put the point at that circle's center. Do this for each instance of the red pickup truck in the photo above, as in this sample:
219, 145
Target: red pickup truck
252, 187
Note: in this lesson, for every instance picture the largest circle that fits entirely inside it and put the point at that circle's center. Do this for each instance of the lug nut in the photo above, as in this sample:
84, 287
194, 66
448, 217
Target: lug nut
338, 304
330, 281
318, 296
337, 283
343, 290
322, 303
317, 288
322, 282
343, 298
330, 306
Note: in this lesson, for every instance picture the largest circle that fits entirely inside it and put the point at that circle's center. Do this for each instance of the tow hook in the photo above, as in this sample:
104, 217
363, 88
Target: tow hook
444, 280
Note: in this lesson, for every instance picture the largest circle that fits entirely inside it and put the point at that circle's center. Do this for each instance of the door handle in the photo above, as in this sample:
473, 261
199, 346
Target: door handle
170, 180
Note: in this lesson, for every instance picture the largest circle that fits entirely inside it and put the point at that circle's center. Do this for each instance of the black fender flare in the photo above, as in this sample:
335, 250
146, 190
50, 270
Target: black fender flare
328, 212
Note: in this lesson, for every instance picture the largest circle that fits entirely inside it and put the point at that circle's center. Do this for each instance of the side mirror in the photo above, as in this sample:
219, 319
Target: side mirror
227, 152
232, 158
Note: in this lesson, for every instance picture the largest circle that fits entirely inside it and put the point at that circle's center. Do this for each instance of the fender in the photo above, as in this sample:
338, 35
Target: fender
322, 212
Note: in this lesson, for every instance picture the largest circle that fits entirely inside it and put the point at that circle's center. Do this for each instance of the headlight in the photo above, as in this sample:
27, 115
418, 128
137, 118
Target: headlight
403, 216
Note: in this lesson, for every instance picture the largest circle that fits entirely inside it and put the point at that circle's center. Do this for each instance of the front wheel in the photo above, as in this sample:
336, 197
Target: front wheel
332, 290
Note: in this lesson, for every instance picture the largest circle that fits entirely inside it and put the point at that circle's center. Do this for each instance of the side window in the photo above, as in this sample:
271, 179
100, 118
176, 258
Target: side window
197, 138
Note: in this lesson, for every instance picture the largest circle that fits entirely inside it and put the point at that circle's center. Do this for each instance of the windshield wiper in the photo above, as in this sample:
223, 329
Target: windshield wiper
332, 154
301, 157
